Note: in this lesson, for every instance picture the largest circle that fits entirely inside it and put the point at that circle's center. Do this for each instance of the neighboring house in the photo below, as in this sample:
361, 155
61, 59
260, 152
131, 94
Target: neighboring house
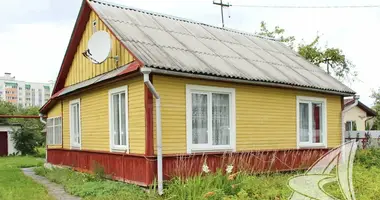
356, 118
6, 141
221, 91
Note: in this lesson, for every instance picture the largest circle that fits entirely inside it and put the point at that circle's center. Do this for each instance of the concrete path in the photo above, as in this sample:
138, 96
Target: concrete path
55, 190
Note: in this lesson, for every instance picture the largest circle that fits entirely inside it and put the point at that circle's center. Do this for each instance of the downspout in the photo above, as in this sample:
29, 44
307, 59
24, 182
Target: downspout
146, 72
44, 122
356, 98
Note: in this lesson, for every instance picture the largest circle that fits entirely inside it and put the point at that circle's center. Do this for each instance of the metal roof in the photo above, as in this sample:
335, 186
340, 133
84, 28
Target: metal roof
171, 43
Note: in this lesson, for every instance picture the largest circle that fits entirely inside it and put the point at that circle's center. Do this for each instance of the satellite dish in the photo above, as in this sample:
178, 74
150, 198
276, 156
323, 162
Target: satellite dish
99, 47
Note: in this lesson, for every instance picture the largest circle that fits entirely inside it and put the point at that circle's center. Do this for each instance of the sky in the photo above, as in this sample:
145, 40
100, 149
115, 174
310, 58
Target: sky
34, 34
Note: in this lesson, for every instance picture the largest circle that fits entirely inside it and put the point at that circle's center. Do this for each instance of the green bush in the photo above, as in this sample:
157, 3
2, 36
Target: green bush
26, 140
368, 157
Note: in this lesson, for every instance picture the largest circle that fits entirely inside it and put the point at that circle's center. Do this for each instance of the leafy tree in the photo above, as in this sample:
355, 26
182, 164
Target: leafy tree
376, 96
29, 135
332, 60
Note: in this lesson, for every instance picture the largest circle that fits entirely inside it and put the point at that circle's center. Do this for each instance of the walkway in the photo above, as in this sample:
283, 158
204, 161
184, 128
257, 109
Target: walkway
55, 190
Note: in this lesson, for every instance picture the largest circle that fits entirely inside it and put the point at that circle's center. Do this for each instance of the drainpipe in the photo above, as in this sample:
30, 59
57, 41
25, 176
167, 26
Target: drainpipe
146, 72
44, 122
356, 98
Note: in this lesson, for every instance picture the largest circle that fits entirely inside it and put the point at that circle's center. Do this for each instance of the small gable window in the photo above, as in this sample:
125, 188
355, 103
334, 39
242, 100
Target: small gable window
118, 117
54, 131
311, 122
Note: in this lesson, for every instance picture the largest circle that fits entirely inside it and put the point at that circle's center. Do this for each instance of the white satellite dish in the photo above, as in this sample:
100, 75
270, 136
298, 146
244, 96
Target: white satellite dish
99, 47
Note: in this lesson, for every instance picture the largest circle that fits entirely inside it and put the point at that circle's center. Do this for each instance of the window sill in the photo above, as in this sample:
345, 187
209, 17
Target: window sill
120, 149
211, 150
314, 146
75, 147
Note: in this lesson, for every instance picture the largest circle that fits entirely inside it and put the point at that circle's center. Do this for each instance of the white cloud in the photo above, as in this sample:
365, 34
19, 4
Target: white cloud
34, 52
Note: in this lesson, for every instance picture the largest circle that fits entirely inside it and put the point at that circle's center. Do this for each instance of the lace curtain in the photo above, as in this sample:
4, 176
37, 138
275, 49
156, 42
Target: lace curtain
220, 118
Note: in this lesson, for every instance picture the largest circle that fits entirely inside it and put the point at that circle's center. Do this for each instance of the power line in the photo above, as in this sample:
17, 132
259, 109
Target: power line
308, 7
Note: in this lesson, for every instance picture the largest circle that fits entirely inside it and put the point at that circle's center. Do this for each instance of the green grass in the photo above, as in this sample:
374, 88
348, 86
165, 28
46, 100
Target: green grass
14, 185
218, 186
91, 187
41, 152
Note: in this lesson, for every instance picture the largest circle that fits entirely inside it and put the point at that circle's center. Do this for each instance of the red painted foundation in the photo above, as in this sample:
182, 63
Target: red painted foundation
141, 170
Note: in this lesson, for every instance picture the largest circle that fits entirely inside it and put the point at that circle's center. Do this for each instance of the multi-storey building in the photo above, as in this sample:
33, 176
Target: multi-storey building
24, 93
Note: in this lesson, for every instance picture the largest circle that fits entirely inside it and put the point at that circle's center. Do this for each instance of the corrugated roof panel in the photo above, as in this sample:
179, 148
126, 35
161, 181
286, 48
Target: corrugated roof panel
192, 43
142, 19
168, 42
161, 38
171, 25
218, 47
221, 34
129, 32
197, 30
221, 66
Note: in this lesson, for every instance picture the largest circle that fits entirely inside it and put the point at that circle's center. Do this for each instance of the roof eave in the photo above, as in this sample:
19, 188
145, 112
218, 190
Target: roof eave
253, 82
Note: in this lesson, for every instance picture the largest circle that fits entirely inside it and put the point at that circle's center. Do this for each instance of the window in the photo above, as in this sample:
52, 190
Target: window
75, 124
118, 114
311, 122
54, 131
350, 125
210, 118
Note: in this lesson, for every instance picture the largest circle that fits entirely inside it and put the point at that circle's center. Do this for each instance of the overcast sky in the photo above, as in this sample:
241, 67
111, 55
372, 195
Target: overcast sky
34, 34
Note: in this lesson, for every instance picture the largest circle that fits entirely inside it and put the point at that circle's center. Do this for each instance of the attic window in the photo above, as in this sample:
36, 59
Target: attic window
94, 23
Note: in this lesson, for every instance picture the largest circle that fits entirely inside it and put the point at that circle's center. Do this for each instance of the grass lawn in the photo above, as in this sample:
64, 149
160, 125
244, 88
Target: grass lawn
217, 186
14, 185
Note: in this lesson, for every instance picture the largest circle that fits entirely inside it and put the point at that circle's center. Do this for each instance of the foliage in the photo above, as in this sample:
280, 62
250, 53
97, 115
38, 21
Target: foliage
29, 135
88, 186
14, 185
376, 97
41, 152
327, 57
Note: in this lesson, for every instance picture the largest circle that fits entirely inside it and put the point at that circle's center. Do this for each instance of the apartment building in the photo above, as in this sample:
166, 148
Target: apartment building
24, 93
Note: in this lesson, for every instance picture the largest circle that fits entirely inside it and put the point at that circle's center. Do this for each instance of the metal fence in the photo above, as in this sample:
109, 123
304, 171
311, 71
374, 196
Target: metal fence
365, 139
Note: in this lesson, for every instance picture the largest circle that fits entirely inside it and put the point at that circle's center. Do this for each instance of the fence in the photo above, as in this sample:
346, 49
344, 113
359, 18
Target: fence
366, 139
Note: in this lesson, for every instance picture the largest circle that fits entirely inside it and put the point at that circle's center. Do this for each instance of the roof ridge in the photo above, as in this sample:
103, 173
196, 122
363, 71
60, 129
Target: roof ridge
172, 17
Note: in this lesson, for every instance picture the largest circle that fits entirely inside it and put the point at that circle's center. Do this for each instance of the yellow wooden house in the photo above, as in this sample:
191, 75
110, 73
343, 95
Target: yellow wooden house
182, 91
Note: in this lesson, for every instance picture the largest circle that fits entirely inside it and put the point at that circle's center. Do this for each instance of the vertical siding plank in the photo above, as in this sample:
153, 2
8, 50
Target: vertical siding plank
82, 68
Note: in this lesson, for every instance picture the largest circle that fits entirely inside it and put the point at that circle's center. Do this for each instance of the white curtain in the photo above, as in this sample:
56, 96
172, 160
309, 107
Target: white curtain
199, 118
123, 120
220, 119
304, 122
115, 119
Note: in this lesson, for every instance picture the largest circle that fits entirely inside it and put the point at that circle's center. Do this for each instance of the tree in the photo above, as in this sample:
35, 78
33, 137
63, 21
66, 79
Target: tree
376, 96
29, 135
330, 59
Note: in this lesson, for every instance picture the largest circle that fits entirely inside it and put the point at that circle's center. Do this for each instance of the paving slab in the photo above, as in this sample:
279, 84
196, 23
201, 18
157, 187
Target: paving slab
55, 190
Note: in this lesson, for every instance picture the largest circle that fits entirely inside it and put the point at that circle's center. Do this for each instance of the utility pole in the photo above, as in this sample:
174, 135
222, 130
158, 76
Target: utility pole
221, 8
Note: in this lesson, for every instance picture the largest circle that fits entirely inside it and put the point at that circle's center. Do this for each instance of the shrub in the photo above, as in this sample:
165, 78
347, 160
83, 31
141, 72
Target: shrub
26, 140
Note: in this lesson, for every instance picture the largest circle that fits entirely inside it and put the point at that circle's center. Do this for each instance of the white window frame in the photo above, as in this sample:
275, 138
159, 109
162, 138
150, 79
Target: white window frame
310, 100
352, 124
53, 134
191, 148
113, 147
74, 145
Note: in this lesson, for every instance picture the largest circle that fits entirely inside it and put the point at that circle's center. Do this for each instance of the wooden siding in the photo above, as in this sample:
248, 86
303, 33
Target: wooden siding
55, 112
82, 68
95, 121
265, 116
141, 170
128, 168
